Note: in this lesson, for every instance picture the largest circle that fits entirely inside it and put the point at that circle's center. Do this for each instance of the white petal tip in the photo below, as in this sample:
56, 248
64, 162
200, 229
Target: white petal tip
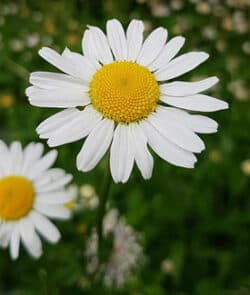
31, 102
39, 131
54, 152
80, 166
201, 149
124, 181
43, 50
226, 106
37, 255
70, 177
56, 239
205, 55
216, 79
66, 51
113, 20
192, 164
50, 142
14, 258
27, 91
68, 215
114, 178
90, 27
223, 105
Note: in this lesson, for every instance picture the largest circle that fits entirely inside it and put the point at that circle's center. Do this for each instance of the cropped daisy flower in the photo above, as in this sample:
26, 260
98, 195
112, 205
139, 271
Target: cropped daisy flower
116, 94
30, 193
126, 254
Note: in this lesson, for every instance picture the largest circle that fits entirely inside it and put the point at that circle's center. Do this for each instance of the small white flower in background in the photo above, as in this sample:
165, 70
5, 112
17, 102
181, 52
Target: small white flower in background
30, 193
126, 254
83, 197
246, 47
32, 40
88, 197
239, 89
245, 167
158, 8
16, 45
123, 85
167, 266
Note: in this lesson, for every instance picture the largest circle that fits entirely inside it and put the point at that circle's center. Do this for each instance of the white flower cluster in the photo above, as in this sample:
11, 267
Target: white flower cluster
126, 254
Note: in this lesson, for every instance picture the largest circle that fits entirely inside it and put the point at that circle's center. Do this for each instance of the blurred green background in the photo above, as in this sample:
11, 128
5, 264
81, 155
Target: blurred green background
194, 224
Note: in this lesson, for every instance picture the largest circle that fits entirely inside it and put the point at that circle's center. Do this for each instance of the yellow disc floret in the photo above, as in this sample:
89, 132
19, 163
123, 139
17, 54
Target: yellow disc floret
16, 197
124, 91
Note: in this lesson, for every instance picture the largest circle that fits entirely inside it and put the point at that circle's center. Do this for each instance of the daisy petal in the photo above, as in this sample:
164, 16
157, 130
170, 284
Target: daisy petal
202, 124
91, 48
45, 227
178, 134
29, 237
143, 158
15, 243
5, 160
48, 177
33, 150
71, 130
32, 153
196, 102
41, 165
95, 145
121, 154
197, 123
48, 80
58, 61
3, 147
88, 47
85, 66
166, 149
168, 52
57, 184
57, 98
100, 44
117, 39
53, 211
5, 234
57, 120
35, 247
16, 154
180, 88
152, 46
181, 65
54, 197
134, 39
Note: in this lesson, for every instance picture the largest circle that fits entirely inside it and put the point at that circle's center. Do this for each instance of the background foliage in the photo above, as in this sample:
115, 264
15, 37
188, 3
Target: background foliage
194, 224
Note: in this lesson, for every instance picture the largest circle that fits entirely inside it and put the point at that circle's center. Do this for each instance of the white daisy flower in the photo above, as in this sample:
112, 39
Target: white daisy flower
126, 254
116, 93
30, 193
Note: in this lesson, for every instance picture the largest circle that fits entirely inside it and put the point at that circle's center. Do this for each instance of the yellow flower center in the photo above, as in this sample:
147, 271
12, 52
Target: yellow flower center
124, 91
16, 197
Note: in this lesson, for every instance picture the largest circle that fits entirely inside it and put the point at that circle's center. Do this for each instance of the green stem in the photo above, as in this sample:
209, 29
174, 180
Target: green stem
16, 68
43, 276
103, 198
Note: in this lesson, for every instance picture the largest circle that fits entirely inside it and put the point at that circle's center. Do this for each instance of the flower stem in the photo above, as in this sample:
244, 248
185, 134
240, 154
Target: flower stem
17, 69
103, 197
